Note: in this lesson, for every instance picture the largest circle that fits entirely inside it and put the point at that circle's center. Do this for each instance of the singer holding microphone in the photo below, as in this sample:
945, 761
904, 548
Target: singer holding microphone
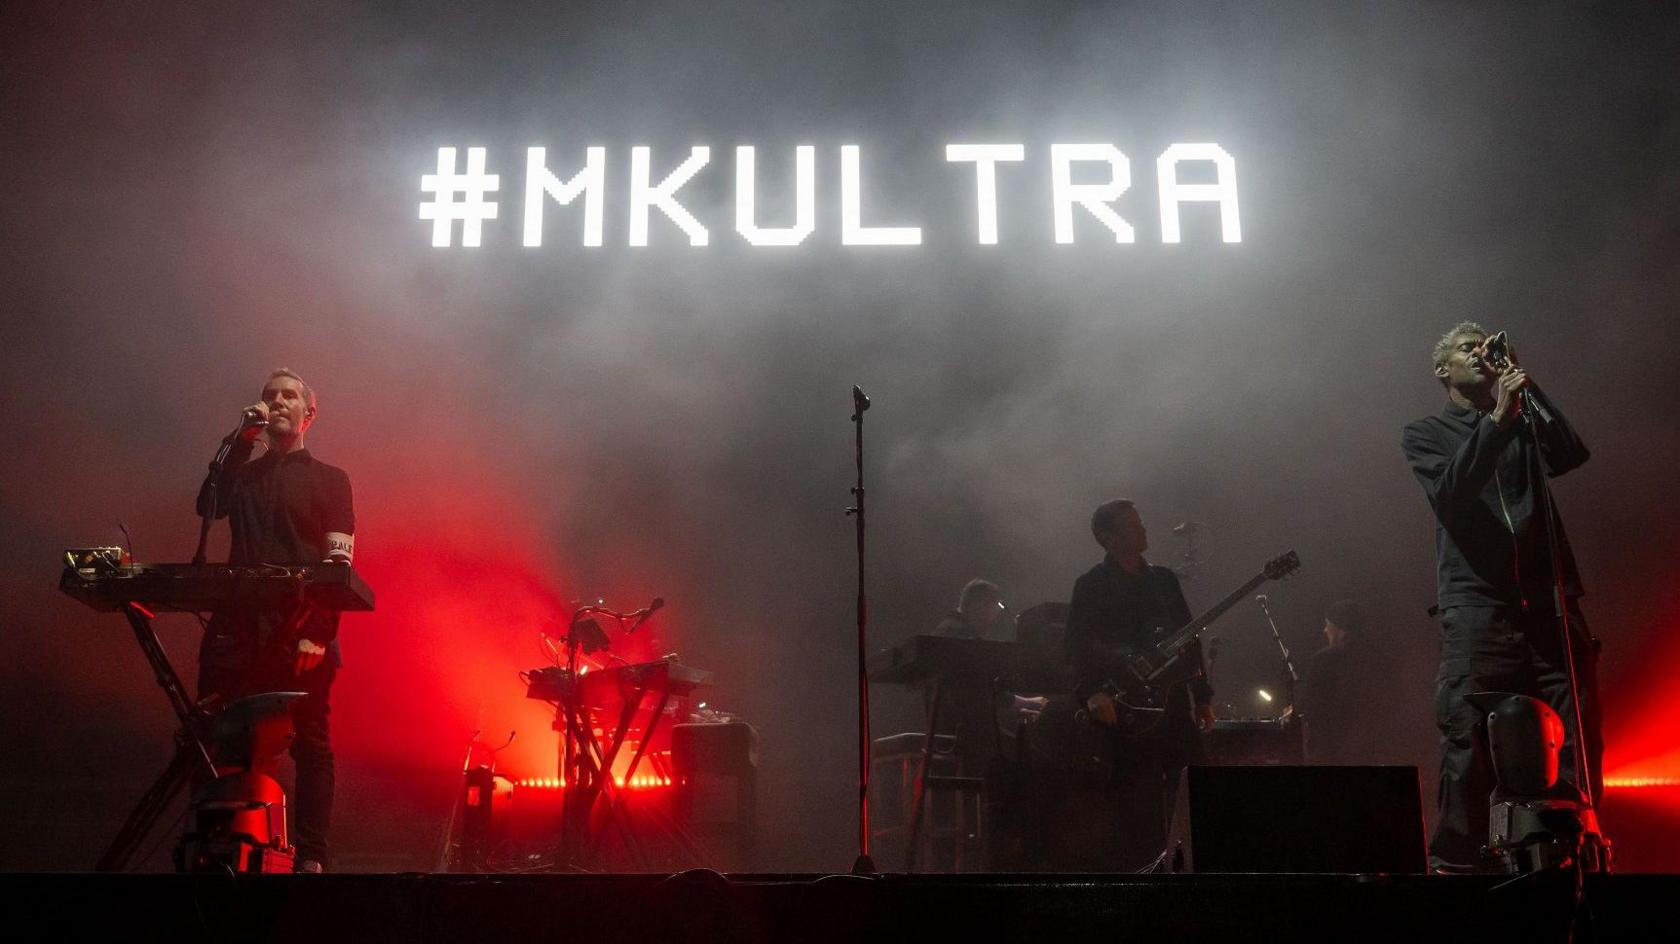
1476, 461
285, 507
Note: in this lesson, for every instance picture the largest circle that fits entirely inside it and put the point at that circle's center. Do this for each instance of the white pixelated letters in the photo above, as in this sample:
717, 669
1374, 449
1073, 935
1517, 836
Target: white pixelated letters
591, 183
986, 158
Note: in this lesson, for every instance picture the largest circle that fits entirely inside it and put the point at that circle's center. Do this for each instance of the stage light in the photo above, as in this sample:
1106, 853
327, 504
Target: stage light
1095, 198
644, 197
1636, 783
1265, 696
852, 230
591, 182
805, 199
985, 158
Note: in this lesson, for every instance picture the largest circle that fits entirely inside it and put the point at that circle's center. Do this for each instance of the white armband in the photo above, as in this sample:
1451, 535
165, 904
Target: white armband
340, 546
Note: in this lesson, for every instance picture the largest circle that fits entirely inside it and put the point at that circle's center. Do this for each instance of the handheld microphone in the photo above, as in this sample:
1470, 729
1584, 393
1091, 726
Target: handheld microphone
860, 402
1497, 350
252, 418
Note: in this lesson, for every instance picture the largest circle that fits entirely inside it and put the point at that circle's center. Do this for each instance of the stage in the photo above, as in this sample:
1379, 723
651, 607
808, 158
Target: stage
704, 905
1172, 350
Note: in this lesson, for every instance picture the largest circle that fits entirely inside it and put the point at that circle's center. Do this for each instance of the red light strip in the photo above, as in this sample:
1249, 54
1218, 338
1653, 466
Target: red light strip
638, 782
1635, 783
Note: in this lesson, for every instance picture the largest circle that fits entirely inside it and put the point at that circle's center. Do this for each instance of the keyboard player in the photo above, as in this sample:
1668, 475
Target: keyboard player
284, 507
967, 707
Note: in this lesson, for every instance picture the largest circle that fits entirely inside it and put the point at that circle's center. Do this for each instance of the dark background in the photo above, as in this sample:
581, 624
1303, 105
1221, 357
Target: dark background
197, 195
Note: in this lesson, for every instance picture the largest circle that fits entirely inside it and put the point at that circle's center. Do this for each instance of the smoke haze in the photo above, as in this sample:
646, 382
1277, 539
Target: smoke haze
195, 196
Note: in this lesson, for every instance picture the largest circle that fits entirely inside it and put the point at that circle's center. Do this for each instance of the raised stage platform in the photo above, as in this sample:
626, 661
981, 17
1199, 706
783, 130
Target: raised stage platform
414, 908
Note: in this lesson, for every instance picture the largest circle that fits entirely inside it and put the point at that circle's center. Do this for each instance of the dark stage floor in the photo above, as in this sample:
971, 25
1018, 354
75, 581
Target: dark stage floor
413, 908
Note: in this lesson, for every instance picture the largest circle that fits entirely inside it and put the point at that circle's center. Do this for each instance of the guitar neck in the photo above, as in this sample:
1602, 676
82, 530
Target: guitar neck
1180, 639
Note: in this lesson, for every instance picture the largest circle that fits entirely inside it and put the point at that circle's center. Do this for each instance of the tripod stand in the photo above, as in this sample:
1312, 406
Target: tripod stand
192, 755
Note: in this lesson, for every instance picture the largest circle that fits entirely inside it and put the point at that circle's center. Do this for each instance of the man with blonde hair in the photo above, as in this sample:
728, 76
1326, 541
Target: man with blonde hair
1480, 465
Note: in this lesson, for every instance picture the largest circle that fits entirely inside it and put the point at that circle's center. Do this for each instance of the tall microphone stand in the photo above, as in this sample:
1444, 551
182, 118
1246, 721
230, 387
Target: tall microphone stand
213, 484
864, 864
1533, 415
1291, 676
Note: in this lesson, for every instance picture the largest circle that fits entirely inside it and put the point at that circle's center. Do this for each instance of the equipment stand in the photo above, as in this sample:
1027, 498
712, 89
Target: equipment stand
1560, 604
864, 865
192, 756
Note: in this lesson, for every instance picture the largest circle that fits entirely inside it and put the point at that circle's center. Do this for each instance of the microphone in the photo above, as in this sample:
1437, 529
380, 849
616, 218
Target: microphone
1497, 351
251, 424
1262, 599
642, 614
860, 402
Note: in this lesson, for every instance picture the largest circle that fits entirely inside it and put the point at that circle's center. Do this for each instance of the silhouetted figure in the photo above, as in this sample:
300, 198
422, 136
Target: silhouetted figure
979, 614
1116, 605
1341, 695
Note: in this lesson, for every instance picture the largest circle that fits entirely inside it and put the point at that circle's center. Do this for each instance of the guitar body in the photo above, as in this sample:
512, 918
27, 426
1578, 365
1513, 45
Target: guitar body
1145, 677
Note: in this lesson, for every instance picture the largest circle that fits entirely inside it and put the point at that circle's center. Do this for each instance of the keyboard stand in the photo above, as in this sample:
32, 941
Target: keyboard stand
192, 755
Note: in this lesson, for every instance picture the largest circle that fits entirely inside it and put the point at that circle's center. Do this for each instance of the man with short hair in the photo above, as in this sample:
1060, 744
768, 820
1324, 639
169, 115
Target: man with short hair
286, 507
1116, 606
979, 610
1477, 463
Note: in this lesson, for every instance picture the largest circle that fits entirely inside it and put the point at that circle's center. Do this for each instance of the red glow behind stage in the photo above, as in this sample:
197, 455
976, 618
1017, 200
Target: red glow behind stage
1642, 746
466, 586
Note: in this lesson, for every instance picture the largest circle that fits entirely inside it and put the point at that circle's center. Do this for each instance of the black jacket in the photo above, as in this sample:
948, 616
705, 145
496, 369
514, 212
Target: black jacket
1489, 550
1114, 608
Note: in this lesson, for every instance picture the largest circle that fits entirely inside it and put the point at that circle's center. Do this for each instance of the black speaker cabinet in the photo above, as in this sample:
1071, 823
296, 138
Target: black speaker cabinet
1299, 819
716, 796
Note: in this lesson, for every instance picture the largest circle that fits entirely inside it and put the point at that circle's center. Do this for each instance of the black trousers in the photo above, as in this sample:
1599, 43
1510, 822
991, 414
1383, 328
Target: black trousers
237, 658
1126, 823
1503, 649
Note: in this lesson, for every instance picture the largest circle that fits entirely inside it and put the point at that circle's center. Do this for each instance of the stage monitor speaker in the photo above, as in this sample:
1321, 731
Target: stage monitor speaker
1299, 819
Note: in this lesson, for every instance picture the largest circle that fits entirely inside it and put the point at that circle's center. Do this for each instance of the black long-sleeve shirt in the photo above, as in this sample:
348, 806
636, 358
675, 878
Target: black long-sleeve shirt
1114, 608
1479, 480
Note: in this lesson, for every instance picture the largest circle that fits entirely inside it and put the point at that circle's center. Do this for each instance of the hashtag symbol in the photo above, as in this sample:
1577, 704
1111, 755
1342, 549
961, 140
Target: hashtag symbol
473, 209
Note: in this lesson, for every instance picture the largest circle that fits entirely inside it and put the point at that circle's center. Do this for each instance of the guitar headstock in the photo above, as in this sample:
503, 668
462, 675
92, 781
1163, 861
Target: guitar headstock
1283, 566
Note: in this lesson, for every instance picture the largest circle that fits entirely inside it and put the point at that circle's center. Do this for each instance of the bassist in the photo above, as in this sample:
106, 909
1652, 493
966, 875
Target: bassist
1116, 606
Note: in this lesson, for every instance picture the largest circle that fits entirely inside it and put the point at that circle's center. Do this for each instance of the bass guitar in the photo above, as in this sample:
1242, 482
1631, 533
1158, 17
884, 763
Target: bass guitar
1143, 675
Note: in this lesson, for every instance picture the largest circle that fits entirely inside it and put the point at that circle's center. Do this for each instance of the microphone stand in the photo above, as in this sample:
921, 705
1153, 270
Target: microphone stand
1292, 676
1533, 414
864, 864
212, 485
